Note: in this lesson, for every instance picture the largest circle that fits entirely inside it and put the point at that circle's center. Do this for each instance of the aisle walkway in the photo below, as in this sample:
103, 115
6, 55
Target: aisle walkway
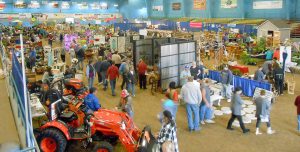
8, 130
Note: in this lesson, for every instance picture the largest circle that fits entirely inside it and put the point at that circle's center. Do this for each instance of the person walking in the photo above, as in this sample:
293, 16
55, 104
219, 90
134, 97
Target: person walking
80, 57
236, 108
117, 59
112, 75
172, 94
142, 69
123, 70
131, 81
226, 79
191, 95
206, 104
63, 55
103, 71
297, 104
98, 69
90, 73
278, 77
184, 75
263, 108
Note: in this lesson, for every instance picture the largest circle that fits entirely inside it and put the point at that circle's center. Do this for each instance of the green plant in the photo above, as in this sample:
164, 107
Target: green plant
260, 46
237, 72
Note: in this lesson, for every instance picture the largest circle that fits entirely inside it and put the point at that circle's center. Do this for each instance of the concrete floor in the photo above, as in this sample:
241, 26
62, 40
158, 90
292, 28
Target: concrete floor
215, 137
212, 137
8, 131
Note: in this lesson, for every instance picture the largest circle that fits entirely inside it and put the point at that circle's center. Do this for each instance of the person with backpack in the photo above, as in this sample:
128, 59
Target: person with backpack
90, 73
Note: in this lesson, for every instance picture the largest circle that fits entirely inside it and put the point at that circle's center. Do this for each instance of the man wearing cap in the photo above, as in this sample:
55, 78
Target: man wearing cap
226, 79
184, 75
191, 95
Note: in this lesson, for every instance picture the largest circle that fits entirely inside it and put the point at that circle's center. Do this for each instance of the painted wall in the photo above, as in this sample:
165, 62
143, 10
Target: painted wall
290, 10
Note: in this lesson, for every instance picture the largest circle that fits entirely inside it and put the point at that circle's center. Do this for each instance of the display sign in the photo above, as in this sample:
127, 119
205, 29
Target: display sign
95, 6
20, 4
54, 4
83, 6
103, 6
176, 6
2, 6
228, 3
157, 8
24, 15
277, 4
65, 5
34, 4
199, 4
195, 24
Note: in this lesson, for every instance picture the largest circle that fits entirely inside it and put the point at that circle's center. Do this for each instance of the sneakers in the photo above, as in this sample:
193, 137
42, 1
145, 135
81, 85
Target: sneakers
202, 123
257, 132
230, 128
270, 131
246, 131
228, 100
210, 121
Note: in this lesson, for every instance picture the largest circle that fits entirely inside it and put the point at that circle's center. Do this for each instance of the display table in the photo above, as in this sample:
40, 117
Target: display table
243, 69
37, 109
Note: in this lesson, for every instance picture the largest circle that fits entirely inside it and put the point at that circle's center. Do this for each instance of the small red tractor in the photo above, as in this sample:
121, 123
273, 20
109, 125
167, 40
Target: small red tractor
70, 120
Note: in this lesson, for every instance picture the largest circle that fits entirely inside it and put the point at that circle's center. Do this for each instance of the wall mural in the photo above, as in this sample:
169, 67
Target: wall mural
228, 3
200, 4
176, 6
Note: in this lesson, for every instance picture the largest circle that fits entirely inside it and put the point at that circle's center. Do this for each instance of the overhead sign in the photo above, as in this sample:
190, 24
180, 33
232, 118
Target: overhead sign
228, 3
195, 24
199, 4
277, 4
157, 8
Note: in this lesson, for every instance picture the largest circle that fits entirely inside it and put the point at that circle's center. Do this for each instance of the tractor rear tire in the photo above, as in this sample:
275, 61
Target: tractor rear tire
52, 140
103, 146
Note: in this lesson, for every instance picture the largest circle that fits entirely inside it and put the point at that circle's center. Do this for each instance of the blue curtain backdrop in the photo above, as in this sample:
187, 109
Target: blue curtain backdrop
248, 86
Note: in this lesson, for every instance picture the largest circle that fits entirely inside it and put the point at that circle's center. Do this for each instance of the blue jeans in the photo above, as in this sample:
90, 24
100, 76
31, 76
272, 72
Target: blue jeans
131, 88
298, 122
226, 91
112, 86
205, 112
103, 75
90, 82
193, 122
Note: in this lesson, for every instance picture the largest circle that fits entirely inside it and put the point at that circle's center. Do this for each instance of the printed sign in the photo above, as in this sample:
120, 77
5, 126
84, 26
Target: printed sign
195, 24
157, 8
267, 4
269, 94
199, 4
176, 6
228, 3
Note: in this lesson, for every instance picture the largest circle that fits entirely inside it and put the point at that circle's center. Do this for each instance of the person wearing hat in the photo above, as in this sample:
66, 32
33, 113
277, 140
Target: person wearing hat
236, 108
184, 75
226, 79
191, 95
125, 103
263, 108
91, 101
167, 138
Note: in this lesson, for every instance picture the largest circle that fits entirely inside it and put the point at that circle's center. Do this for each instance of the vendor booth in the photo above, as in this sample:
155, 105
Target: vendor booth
275, 31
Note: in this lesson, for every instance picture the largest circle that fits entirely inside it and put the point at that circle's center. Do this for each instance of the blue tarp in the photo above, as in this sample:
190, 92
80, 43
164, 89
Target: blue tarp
248, 86
130, 26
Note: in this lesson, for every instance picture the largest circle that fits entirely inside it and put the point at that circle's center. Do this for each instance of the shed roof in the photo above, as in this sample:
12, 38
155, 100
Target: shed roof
280, 24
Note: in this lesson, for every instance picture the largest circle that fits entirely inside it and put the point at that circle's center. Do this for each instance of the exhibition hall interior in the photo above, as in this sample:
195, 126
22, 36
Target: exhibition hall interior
149, 75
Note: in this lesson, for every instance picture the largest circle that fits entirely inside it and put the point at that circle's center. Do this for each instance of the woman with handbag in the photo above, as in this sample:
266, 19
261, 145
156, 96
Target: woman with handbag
263, 108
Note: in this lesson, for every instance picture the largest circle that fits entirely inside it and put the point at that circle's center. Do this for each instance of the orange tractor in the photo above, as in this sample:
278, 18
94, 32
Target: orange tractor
70, 120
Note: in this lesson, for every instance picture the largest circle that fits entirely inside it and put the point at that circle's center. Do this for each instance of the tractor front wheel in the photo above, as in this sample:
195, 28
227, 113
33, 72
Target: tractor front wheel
52, 140
103, 146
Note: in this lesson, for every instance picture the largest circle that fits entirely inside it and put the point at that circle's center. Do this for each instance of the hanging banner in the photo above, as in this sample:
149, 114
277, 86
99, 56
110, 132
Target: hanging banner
228, 3
157, 8
267, 4
196, 24
200, 4
176, 6
2, 6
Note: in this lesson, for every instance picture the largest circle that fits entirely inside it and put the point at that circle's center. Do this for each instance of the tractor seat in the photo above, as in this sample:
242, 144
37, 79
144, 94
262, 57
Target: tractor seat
68, 116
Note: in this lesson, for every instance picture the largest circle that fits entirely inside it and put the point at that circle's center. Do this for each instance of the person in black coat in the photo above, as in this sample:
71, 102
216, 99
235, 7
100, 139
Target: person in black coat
98, 69
278, 77
103, 69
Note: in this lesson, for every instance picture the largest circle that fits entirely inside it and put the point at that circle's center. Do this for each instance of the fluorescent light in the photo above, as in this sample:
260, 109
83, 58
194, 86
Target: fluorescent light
116, 5
103, 4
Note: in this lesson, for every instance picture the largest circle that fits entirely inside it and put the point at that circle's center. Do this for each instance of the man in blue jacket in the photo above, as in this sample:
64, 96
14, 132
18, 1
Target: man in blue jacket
226, 79
91, 101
